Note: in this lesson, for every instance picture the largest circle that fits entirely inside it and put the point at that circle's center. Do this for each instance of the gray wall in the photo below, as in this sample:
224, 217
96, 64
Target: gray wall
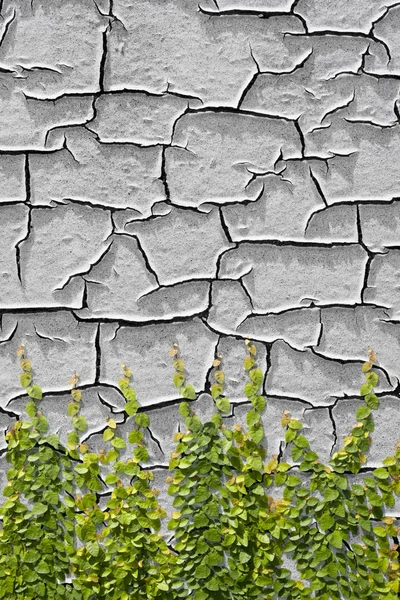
201, 174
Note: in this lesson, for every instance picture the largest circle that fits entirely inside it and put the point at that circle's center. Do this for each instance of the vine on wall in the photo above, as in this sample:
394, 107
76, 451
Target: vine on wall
85, 525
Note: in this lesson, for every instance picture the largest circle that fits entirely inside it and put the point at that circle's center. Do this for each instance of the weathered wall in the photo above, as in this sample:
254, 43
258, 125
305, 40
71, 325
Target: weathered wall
201, 174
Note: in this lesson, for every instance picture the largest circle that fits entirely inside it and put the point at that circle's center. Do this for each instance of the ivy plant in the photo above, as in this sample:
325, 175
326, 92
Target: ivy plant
79, 524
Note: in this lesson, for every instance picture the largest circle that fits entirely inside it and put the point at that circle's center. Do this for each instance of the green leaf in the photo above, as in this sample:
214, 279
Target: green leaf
372, 401
248, 362
39, 509
25, 379
111, 478
380, 473
108, 434
123, 383
179, 365
335, 539
326, 521
188, 391
250, 389
223, 405
379, 531
135, 436
42, 568
118, 442
184, 409
142, 419
256, 375
372, 378
362, 413
252, 417
179, 378
301, 441
80, 423
202, 572
73, 409
131, 408
258, 402
35, 391
73, 439
31, 409
331, 494
256, 434
365, 389
93, 548
129, 394
293, 481
216, 390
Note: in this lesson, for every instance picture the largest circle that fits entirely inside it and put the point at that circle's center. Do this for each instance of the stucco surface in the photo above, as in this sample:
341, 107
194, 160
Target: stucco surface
200, 173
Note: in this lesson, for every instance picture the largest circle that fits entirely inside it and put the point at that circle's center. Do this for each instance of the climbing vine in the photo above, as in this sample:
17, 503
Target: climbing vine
82, 524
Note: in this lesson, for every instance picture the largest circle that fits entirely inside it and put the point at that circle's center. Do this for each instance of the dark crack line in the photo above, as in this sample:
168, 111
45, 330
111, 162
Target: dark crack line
7, 26
348, 361
318, 187
18, 245
27, 179
208, 383
248, 12
250, 84
155, 440
98, 354
144, 255
86, 271
176, 284
103, 58
301, 136
107, 405
163, 175
339, 107
65, 147
45, 337
12, 334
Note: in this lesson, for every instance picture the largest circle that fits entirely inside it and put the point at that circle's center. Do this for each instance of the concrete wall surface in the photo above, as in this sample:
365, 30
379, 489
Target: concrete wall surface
201, 173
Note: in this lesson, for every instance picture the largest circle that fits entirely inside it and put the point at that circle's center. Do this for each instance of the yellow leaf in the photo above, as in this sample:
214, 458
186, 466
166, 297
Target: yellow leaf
83, 448
174, 350
219, 376
112, 424
21, 350
216, 362
371, 355
363, 458
367, 366
76, 395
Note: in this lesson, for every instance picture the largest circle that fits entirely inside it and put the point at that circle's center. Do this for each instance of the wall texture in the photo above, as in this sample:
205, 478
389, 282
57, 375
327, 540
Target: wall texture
201, 173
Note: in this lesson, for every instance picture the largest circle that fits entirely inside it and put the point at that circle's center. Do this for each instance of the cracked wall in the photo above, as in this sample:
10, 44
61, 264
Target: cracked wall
201, 173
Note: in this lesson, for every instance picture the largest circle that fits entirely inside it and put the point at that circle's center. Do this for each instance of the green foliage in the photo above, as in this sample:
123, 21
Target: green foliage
93, 518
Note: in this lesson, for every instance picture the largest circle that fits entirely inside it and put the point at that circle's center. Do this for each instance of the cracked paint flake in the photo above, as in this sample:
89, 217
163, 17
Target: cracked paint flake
62, 242
212, 61
282, 276
58, 345
53, 49
114, 175
313, 377
138, 117
215, 154
182, 245
349, 332
25, 122
281, 211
